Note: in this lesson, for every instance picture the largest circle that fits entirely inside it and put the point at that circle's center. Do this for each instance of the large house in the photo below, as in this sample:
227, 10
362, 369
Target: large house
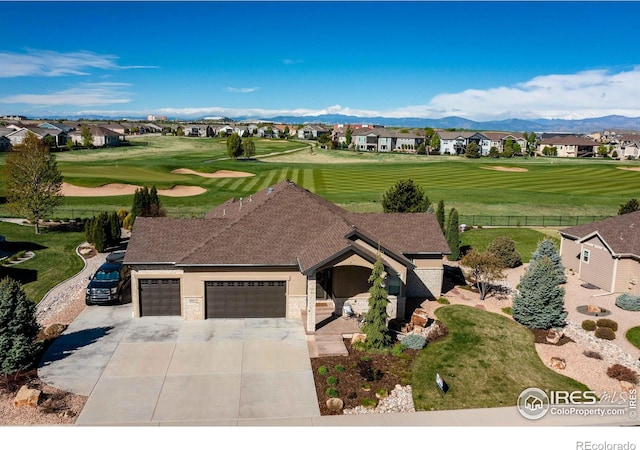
385, 140
570, 145
456, 142
102, 137
605, 253
312, 131
277, 252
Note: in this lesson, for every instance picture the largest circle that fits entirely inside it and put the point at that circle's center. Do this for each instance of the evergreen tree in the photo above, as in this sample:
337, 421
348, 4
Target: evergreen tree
145, 198
18, 329
405, 197
440, 215
115, 228
539, 301
547, 248
138, 207
375, 326
88, 229
504, 248
453, 235
629, 207
155, 209
100, 237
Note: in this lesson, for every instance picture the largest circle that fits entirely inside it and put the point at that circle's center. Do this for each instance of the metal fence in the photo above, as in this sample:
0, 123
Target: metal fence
527, 221
71, 213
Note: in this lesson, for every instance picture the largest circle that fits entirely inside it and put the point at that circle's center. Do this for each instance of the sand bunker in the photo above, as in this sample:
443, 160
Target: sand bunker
506, 169
126, 189
217, 174
633, 169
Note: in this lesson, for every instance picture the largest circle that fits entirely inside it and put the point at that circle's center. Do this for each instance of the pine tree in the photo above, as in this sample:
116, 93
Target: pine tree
376, 317
539, 302
145, 199
115, 228
440, 214
138, 207
453, 235
547, 248
88, 229
154, 202
100, 237
18, 329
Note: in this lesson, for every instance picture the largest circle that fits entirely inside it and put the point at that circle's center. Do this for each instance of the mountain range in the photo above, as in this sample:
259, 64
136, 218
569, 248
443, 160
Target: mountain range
588, 125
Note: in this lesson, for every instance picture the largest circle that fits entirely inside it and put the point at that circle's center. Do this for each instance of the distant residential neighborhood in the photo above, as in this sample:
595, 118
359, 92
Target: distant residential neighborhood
616, 144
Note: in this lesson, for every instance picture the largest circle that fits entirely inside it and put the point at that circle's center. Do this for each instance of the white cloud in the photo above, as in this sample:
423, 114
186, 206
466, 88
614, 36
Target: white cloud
241, 90
88, 94
52, 64
591, 93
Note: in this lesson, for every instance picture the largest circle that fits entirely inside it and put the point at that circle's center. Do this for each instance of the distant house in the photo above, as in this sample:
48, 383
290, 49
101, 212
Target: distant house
225, 130
58, 137
498, 139
570, 146
312, 131
268, 131
383, 140
119, 128
102, 137
456, 142
56, 126
605, 253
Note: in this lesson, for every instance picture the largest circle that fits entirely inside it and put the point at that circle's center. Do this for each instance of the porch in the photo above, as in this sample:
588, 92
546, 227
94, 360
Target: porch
331, 328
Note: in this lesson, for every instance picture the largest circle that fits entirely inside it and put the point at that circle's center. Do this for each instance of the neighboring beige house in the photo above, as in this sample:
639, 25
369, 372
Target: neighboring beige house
384, 140
102, 137
605, 253
569, 146
278, 252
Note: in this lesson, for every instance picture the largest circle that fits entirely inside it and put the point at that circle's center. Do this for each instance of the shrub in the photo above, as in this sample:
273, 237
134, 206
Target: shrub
339, 368
369, 403
322, 370
589, 325
507, 310
592, 354
331, 392
368, 372
332, 381
380, 393
127, 223
622, 373
398, 349
628, 302
443, 301
414, 341
608, 323
436, 331
605, 333
505, 250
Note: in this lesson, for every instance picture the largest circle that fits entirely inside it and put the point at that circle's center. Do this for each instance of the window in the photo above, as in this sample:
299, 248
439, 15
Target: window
585, 256
393, 285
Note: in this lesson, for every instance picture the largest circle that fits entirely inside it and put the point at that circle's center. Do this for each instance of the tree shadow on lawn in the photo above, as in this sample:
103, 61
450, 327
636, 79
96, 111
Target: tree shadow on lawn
24, 276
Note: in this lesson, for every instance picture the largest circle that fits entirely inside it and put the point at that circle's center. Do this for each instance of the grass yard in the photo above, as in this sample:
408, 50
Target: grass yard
356, 181
55, 258
633, 336
526, 239
486, 360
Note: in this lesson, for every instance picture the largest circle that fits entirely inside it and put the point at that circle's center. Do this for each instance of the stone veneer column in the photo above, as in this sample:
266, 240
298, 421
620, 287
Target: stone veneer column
311, 303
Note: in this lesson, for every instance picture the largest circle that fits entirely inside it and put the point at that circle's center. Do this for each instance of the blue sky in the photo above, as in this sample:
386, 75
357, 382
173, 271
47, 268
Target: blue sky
479, 60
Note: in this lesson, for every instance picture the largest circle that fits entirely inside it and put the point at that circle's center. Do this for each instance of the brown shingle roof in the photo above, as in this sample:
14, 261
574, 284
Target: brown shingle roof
621, 233
282, 225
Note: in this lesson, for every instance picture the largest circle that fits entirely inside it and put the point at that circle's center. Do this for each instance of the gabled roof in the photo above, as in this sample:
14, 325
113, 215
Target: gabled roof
449, 135
621, 233
568, 140
284, 225
500, 135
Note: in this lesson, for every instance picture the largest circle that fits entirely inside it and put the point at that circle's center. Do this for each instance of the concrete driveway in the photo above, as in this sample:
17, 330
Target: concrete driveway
168, 371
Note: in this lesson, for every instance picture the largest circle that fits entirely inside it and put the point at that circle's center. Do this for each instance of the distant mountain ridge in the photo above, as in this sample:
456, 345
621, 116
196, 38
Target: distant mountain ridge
589, 125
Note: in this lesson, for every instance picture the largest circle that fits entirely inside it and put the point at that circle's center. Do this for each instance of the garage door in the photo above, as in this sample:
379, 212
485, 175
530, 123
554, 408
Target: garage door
251, 299
159, 297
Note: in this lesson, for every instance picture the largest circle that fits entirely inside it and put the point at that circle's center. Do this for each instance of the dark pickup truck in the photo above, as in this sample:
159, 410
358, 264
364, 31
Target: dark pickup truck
110, 284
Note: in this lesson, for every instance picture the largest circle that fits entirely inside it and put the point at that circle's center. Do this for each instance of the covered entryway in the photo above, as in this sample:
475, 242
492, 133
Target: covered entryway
245, 299
159, 297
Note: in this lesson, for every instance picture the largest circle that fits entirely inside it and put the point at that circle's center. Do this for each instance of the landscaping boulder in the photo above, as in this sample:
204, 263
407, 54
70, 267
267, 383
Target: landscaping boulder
593, 309
358, 337
53, 331
558, 363
27, 397
420, 317
554, 336
335, 404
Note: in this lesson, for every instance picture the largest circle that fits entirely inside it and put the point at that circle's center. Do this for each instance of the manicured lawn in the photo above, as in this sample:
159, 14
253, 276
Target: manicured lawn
487, 360
356, 181
526, 240
55, 258
633, 336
